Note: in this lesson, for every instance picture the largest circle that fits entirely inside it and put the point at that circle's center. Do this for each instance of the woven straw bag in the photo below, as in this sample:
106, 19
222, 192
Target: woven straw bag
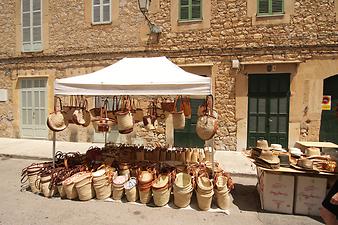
56, 120
103, 123
125, 121
178, 116
207, 124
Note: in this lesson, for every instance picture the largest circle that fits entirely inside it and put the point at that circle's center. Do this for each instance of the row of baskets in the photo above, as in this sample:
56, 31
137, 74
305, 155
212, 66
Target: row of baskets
106, 182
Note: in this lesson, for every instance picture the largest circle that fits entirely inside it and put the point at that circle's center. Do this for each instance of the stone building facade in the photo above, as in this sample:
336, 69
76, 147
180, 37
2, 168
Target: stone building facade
231, 43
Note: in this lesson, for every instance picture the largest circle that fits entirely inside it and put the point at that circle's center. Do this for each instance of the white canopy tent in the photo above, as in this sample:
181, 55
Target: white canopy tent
136, 76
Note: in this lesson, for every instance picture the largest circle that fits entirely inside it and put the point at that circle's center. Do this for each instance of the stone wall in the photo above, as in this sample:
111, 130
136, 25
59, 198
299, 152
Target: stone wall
76, 47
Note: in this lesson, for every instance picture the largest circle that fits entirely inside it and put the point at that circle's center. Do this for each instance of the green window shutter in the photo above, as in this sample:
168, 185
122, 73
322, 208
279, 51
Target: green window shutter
263, 6
31, 25
184, 9
196, 9
277, 6
190, 9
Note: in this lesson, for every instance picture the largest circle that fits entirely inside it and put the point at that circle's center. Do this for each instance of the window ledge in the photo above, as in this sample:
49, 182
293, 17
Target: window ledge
190, 21
101, 23
31, 51
270, 15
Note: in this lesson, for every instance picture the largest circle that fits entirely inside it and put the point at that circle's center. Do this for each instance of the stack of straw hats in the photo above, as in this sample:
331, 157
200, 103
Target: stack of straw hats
183, 190
161, 190
204, 193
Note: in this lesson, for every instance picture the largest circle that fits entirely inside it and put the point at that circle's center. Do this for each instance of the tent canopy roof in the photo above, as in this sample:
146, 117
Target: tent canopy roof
136, 76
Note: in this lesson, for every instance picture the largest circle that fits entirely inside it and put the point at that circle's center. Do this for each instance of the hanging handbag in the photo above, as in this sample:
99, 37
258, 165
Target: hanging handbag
137, 111
150, 121
167, 105
125, 122
178, 116
207, 124
78, 112
103, 124
186, 107
70, 108
85, 113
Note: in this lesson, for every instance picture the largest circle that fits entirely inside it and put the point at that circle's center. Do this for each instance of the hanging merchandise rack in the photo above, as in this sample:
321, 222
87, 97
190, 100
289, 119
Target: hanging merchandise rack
155, 76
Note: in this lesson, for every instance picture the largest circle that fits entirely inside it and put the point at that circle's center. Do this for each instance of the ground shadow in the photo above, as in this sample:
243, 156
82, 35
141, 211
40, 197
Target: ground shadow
246, 197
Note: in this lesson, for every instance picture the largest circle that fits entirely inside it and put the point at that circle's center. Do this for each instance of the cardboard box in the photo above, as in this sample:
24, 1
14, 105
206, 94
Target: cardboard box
310, 192
276, 191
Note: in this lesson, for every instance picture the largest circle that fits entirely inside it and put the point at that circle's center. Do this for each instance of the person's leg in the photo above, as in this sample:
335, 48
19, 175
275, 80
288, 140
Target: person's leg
328, 217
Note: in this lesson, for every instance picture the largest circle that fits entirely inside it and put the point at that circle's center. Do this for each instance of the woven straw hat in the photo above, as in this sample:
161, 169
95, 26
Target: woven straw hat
277, 147
269, 157
305, 164
295, 151
262, 144
312, 151
56, 121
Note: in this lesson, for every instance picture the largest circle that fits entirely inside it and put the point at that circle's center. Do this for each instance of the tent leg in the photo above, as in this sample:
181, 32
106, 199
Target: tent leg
54, 142
105, 138
212, 158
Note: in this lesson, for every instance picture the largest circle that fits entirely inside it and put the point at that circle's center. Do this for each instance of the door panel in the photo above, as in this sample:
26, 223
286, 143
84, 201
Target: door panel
187, 137
268, 108
33, 108
329, 120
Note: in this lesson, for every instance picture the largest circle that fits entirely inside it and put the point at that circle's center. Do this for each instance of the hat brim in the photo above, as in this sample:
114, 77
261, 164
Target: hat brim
274, 161
279, 150
313, 170
54, 128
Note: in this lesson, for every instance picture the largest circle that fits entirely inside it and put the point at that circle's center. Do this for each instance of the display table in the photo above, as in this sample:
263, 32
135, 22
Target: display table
319, 144
291, 191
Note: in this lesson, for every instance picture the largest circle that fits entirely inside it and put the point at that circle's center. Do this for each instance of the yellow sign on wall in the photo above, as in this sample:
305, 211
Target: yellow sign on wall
326, 103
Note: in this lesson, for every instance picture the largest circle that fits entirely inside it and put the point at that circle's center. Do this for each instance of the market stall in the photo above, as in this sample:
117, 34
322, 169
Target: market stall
119, 167
292, 181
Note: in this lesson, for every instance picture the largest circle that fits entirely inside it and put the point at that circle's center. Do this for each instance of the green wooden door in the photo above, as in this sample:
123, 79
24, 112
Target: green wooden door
329, 120
33, 110
187, 137
268, 112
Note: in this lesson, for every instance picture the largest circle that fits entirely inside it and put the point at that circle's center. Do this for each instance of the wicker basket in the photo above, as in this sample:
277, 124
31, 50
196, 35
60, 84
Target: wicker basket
161, 197
132, 194
145, 196
103, 191
204, 200
85, 191
223, 199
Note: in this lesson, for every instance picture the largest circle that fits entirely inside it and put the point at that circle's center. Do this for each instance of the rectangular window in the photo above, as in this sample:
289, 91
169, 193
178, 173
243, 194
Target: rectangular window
101, 11
31, 15
190, 9
270, 7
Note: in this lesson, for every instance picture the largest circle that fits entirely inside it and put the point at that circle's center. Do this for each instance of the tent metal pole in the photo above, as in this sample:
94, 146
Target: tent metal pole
54, 142
213, 158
